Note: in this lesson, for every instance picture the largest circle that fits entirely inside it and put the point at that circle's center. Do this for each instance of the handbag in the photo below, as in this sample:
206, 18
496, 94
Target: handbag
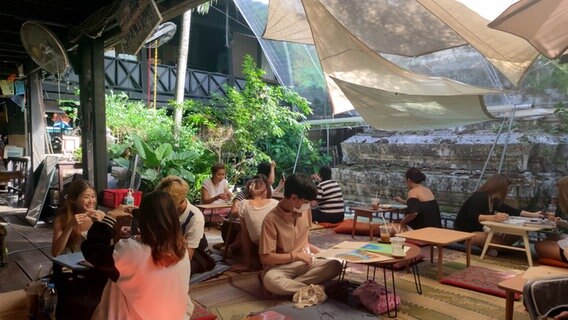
375, 297
202, 259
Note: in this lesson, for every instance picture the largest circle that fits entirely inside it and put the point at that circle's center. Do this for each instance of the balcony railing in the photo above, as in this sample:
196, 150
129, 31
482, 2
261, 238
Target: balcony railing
137, 81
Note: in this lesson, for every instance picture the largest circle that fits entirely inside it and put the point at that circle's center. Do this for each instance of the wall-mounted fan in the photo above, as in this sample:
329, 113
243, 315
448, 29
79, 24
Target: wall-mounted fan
162, 34
44, 47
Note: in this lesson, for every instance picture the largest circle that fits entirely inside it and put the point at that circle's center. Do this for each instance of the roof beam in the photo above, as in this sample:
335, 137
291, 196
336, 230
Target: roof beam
170, 11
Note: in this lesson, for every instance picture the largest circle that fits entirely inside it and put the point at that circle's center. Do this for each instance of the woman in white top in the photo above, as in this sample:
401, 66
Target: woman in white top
215, 190
251, 215
149, 274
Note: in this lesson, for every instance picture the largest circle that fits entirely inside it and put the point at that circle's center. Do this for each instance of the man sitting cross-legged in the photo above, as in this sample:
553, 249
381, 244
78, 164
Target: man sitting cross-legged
284, 249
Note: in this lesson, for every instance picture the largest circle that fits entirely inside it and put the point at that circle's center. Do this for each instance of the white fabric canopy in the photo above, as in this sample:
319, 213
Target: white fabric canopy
383, 92
543, 23
409, 28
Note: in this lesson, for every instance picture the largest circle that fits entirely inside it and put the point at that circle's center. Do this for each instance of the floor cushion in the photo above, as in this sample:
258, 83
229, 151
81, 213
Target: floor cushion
479, 279
330, 224
553, 262
361, 228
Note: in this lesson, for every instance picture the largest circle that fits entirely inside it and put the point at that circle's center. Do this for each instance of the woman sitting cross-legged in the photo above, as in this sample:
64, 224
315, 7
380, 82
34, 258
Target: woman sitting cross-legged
556, 246
148, 274
423, 210
251, 215
487, 204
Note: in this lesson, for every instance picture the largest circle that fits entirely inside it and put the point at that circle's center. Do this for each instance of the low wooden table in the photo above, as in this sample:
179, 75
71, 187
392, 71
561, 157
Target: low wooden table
515, 285
212, 208
513, 229
440, 237
386, 264
369, 212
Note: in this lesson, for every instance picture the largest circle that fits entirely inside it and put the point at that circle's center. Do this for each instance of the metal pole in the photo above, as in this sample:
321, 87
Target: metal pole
507, 138
298, 153
490, 154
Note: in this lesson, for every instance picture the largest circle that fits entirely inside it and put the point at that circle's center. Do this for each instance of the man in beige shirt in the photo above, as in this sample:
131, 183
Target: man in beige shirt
284, 249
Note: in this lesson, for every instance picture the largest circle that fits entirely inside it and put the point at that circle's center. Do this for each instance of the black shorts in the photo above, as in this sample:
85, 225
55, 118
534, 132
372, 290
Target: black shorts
562, 256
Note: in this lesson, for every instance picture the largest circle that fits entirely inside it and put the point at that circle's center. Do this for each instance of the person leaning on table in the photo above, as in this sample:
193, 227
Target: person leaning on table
552, 248
284, 248
487, 204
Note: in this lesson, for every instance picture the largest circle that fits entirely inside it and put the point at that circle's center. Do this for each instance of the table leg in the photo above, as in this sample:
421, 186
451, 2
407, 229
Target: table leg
527, 248
487, 242
343, 270
467, 252
509, 300
354, 224
387, 292
431, 253
416, 273
225, 250
440, 262
371, 227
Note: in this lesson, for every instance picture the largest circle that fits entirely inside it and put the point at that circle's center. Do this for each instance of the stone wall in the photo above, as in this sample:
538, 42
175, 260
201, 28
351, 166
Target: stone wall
374, 162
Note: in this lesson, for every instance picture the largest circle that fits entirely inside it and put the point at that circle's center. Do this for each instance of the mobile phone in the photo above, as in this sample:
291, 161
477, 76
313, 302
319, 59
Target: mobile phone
283, 175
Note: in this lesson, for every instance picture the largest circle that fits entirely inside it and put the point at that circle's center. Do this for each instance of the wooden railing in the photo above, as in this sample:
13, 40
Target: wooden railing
134, 78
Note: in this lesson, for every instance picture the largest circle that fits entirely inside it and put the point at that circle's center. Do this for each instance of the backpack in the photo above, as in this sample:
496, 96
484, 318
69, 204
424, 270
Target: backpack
202, 259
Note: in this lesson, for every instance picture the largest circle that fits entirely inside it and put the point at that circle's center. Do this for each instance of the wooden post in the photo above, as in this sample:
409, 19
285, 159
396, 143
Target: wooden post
92, 111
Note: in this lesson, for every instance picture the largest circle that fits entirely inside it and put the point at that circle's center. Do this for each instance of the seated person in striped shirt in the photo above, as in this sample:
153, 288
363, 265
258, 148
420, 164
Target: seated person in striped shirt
330, 206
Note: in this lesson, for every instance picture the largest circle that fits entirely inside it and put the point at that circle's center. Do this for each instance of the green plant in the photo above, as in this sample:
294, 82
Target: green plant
267, 122
259, 123
561, 111
163, 161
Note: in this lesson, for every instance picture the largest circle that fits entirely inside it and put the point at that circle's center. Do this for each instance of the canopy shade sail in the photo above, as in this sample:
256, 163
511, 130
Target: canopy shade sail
542, 23
408, 28
400, 112
383, 93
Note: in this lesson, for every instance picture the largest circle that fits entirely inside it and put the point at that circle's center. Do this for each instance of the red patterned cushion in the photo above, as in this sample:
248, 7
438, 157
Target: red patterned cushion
479, 279
200, 313
553, 262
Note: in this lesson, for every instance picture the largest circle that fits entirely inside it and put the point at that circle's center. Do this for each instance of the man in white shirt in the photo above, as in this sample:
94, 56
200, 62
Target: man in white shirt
193, 226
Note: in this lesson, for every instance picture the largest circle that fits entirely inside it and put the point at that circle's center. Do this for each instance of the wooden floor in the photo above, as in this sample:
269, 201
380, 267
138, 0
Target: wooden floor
28, 251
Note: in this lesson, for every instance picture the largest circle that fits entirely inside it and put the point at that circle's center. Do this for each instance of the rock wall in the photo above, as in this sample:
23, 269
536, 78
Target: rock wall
374, 162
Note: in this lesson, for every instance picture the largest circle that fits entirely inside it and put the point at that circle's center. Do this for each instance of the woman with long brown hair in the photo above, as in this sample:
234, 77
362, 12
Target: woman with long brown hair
148, 274
251, 215
487, 204
75, 217
556, 246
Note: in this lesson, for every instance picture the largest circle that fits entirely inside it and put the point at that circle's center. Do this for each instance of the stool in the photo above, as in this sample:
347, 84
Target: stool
3, 233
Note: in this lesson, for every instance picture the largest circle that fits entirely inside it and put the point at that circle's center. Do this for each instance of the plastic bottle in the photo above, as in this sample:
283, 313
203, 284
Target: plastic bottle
48, 301
129, 199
